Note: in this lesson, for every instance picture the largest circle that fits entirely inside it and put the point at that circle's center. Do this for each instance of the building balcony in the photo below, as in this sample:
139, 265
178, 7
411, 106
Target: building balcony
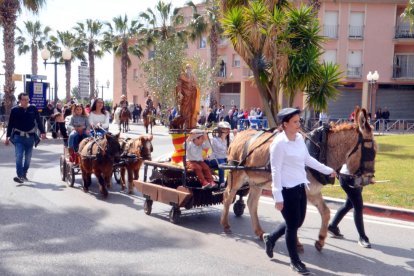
403, 72
354, 72
356, 32
247, 73
403, 31
330, 31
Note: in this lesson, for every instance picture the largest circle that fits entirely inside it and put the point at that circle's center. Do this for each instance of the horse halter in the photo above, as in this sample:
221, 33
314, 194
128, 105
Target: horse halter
367, 153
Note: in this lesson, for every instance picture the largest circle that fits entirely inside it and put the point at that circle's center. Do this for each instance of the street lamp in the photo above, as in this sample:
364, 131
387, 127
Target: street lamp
101, 86
372, 86
66, 55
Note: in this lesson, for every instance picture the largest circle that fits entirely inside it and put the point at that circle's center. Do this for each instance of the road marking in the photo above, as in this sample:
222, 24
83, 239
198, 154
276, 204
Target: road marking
367, 218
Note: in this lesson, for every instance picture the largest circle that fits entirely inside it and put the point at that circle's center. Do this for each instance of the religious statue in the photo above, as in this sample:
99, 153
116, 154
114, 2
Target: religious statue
188, 96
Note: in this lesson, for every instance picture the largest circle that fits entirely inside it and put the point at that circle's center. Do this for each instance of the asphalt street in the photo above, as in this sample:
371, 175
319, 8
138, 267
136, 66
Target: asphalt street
47, 228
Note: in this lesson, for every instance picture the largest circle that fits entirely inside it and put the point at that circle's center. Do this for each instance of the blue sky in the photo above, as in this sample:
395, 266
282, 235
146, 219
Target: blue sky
62, 15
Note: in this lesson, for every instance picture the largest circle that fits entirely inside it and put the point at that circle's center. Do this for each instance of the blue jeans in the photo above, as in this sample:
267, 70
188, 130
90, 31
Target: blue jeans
213, 164
23, 146
74, 139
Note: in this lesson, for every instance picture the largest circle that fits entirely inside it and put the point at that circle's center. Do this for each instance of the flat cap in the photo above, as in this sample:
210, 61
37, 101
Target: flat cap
286, 113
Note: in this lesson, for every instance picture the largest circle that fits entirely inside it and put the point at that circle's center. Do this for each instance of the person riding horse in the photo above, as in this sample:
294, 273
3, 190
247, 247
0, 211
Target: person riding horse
149, 105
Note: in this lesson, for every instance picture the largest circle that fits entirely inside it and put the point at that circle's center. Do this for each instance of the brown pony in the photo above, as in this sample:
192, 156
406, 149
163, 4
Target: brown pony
124, 118
98, 156
148, 116
135, 152
346, 143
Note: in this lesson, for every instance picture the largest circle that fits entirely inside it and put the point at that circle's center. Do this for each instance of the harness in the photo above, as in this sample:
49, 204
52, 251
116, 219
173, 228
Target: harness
367, 154
317, 144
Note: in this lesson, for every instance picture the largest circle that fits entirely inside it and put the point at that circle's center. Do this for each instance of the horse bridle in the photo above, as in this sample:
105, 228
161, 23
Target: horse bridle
367, 153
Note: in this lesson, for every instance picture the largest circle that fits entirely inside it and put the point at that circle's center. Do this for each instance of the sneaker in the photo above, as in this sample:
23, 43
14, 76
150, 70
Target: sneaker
18, 179
334, 231
364, 242
268, 245
300, 268
24, 177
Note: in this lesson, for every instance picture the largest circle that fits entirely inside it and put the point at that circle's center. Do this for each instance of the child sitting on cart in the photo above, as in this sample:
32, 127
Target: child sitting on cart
80, 130
196, 143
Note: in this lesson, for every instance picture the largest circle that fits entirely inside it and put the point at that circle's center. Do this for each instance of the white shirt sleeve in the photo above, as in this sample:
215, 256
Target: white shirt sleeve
276, 159
315, 164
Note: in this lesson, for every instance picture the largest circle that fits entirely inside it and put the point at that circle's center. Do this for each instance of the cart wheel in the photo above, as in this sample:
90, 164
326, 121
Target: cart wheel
175, 214
189, 204
238, 207
117, 175
148, 206
70, 177
62, 168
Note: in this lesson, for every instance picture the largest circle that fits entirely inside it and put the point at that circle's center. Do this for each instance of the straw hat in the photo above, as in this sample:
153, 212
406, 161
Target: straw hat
195, 133
224, 124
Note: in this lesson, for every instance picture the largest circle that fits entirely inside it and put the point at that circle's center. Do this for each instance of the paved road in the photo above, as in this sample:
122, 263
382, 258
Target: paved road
50, 229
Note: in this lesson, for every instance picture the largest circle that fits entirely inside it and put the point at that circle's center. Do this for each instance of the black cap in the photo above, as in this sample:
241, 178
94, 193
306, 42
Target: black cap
286, 113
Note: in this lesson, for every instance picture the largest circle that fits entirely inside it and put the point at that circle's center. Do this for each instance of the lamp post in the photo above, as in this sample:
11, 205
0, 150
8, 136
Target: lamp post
66, 55
372, 86
102, 87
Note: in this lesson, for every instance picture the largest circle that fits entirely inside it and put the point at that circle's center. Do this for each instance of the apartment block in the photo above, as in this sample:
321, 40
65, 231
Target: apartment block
361, 36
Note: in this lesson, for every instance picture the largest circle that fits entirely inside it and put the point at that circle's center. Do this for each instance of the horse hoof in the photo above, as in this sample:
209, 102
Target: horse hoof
227, 230
130, 192
318, 246
85, 189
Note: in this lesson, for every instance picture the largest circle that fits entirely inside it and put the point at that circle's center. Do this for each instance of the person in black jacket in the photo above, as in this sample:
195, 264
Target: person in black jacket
21, 131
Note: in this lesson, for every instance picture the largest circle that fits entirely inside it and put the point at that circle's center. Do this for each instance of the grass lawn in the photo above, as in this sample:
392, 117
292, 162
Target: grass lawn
394, 162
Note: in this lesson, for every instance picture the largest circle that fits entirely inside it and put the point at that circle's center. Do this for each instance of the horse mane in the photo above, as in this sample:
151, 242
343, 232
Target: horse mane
342, 126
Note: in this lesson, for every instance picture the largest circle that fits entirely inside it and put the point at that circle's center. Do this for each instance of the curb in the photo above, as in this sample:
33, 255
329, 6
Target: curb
369, 209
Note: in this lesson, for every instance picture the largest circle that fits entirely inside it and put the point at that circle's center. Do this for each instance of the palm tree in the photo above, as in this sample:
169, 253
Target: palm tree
122, 39
208, 23
270, 37
32, 39
159, 26
8, 17
409, 13
66, 40
89, 39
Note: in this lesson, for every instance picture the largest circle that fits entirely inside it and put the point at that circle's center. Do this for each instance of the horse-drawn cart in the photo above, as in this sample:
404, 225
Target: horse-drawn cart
173, 184
69, 169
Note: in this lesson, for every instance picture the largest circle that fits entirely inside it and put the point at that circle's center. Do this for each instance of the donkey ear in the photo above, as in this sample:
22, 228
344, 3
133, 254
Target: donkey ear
117, 136
150, 137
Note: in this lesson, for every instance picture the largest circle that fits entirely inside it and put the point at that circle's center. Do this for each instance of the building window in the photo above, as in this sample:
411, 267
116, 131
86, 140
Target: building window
236, 61
330, 27
354, 68
403, 67
329, 56
356, 26
203, 42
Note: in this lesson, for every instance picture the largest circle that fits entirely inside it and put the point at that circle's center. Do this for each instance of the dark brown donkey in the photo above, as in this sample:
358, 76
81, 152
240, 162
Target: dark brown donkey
98, 156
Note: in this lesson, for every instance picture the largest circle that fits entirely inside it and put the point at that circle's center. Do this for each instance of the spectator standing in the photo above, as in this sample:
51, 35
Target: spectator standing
386, 117
21, 131
378, 117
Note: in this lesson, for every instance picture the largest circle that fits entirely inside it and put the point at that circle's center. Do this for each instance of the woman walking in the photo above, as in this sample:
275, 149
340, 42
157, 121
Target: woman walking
288, 158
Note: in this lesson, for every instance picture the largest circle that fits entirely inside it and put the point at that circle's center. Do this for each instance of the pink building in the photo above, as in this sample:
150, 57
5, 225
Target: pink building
362, 36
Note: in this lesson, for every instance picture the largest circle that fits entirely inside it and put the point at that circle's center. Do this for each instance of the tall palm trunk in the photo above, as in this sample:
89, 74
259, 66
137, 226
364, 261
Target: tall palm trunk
68, 68
91, 58
124, 68
34, 59
214, 40
9, 8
